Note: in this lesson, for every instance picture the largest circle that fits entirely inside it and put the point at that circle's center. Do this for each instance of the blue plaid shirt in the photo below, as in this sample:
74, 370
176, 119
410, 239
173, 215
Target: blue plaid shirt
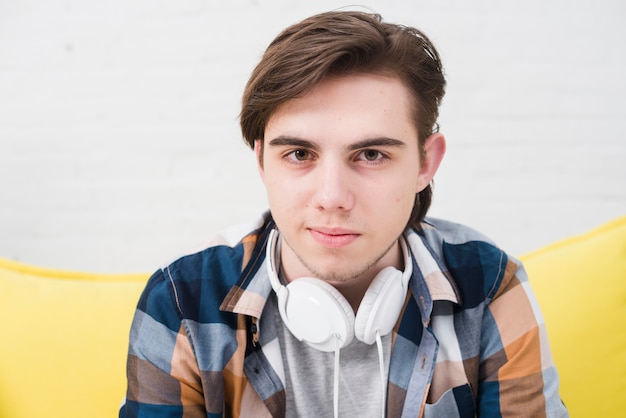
470, 340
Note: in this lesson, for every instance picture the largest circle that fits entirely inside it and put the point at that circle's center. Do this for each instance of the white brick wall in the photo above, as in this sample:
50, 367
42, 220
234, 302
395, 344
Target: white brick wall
120, 143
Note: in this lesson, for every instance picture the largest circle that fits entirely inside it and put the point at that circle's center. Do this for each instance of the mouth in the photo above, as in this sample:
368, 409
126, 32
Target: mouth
333, 237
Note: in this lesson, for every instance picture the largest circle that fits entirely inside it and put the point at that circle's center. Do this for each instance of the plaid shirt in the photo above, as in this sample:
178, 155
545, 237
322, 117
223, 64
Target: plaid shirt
470, 340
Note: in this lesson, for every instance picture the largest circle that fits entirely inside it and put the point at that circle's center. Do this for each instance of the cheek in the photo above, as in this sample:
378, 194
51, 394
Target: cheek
405, 199
282, 195
405, 202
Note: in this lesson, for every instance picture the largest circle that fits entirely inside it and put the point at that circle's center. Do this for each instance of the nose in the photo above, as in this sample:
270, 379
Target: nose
332, 187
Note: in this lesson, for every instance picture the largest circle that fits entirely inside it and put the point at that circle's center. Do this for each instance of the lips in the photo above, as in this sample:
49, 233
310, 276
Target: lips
333, 237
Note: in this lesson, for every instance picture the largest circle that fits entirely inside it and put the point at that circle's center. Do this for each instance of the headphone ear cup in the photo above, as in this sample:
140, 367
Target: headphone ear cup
381, 305
315, 312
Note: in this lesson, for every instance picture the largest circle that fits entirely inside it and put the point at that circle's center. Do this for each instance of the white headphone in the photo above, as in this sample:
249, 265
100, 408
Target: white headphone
317, 313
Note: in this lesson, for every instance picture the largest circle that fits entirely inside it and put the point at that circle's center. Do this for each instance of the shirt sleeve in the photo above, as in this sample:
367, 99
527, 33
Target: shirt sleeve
163, 377
517, 373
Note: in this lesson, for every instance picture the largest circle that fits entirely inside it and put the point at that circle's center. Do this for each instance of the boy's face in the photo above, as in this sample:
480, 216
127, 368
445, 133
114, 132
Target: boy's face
341, 167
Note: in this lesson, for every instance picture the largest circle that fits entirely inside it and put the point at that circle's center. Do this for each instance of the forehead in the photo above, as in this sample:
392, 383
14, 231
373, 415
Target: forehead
363, 104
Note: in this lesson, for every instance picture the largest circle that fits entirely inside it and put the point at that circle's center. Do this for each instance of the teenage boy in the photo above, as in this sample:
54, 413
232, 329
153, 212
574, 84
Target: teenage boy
343, 299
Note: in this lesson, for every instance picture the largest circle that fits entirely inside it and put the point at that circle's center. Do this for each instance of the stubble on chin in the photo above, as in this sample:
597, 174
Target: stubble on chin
347, 274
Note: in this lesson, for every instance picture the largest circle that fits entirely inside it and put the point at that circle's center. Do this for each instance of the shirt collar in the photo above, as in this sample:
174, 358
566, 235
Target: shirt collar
249, 295
429, 282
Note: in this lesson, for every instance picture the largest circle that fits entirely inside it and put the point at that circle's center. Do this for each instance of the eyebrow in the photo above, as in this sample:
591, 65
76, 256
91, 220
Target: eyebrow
377, 142
366, 143
283, 140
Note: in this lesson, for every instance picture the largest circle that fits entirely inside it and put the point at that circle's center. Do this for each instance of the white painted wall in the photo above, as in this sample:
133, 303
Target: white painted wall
120, 145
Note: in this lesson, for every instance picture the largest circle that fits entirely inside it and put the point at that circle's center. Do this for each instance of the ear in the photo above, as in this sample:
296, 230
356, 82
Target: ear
258, 151
434, 150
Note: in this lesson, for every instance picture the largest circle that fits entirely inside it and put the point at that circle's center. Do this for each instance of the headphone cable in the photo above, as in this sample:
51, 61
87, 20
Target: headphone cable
336, 377
381, 363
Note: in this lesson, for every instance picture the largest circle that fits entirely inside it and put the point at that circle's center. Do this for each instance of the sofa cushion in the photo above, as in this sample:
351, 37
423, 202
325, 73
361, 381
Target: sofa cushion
581, 286
64, 341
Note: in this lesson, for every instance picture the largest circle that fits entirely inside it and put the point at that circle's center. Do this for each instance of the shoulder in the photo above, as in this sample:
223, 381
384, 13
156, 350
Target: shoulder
452, 232
195, 284
473, 261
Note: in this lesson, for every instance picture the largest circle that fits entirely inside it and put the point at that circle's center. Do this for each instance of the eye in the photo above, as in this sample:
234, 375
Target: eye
370, 155
299, 155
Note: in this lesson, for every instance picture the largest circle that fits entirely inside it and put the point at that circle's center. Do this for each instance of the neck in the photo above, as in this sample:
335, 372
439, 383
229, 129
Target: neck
354, 290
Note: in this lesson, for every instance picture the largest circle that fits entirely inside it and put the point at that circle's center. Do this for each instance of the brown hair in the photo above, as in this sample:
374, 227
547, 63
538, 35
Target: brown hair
342, 43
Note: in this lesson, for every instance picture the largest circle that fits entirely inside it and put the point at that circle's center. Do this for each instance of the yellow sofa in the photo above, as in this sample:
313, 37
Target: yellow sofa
64, 341
65, 334
580, 283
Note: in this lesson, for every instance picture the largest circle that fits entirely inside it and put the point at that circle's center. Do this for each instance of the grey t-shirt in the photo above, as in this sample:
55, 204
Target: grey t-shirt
309, 376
